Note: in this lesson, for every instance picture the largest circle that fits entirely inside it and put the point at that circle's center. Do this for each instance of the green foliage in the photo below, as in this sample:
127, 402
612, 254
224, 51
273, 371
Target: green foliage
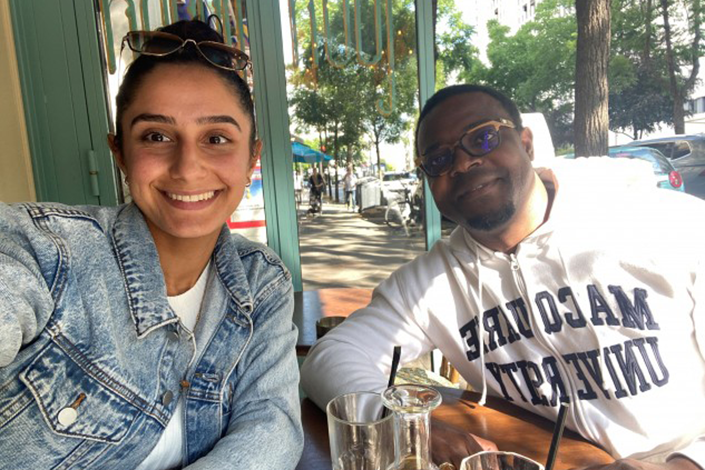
639, 84
348, 103
454, 50
535, 66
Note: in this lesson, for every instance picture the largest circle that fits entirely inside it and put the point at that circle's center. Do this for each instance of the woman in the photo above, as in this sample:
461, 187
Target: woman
147, 336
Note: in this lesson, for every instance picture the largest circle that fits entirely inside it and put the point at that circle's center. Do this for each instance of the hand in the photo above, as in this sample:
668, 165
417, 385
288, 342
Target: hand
676, 463
450, 444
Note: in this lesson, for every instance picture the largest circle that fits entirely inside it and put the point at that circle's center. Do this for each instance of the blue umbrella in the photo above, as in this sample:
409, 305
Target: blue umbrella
305, 154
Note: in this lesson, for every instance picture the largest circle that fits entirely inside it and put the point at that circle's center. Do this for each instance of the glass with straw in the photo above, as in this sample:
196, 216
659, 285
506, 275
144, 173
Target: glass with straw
499, 460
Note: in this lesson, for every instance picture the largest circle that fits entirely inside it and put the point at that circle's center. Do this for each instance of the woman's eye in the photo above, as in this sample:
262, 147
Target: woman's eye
156, 137
217, 140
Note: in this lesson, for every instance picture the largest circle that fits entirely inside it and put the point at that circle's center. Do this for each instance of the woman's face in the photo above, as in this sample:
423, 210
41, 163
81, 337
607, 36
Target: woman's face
186, 151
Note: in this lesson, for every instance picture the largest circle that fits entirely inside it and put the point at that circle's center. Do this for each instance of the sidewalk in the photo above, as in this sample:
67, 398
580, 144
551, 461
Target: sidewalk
341, 248
346, 249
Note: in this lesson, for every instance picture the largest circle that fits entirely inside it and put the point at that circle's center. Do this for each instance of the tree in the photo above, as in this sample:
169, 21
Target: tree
677, 56
535, 66
591, 86
453, 49
344, 98
639, 99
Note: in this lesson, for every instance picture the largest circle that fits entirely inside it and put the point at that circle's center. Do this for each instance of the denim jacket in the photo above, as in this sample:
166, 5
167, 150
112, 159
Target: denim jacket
93, 359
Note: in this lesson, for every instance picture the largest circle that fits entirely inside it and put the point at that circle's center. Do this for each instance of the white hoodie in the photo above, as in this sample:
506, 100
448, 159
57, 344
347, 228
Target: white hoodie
602, 305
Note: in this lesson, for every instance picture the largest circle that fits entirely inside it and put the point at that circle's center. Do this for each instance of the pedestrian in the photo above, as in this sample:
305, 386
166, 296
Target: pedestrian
147, 336
554, 288
298, 187
317, 184
349, 182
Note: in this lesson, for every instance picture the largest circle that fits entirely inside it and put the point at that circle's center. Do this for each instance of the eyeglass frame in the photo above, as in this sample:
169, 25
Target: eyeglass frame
497, 123
184, 42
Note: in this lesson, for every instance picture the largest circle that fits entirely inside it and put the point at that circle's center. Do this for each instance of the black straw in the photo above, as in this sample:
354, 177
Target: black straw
557, 434
395, 365
392, 374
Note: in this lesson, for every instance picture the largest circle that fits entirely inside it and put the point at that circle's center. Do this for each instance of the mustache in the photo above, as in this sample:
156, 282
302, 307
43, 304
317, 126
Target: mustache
479, 175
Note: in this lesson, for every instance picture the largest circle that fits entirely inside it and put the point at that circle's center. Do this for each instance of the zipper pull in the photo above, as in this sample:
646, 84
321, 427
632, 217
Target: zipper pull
514, 263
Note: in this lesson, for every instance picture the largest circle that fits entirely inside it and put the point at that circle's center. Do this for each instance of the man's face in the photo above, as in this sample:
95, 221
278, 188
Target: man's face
483, 194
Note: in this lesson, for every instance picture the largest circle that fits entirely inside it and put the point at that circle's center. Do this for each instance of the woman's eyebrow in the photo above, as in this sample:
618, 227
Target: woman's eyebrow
153, 118
219, 119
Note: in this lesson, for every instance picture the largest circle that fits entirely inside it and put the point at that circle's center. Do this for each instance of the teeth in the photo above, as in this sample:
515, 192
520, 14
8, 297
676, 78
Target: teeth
191, 197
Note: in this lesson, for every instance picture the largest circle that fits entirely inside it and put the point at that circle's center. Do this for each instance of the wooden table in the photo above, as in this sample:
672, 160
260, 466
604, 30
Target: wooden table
311, 305
510, 427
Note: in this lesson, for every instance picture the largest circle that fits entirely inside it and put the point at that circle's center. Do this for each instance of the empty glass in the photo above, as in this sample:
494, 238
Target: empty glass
497, 460
360, 439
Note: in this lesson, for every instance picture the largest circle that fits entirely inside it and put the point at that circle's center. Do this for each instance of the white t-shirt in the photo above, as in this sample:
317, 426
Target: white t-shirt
167, 453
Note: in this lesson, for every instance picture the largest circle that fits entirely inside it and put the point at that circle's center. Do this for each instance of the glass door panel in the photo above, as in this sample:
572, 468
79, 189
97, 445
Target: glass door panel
352, 89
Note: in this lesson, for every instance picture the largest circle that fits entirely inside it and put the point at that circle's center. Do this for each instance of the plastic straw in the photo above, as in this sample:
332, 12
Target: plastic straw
557, 434
396, 355
395, 365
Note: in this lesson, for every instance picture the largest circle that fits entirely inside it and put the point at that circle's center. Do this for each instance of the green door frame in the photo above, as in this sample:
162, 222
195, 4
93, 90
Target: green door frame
427, 84
60, 70
267, 51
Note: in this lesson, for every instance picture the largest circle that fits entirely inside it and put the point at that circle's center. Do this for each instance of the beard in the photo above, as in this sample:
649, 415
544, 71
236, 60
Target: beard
492, 220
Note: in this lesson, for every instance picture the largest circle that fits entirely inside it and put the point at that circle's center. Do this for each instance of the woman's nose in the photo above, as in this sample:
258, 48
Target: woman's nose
187, 163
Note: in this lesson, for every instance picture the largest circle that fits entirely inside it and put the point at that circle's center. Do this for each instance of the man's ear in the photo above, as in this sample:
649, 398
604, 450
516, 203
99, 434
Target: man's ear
527, 141
117, 153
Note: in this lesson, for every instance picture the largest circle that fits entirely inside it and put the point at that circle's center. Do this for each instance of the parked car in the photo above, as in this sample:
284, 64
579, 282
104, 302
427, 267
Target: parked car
397, 180
687, 154
394, 183
666, 175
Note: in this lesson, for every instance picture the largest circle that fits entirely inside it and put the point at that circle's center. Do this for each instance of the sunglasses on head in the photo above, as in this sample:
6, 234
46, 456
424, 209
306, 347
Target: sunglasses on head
477, 141
159, 44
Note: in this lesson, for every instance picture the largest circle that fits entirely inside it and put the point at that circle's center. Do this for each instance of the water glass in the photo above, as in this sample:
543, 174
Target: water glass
497, 460
360, 439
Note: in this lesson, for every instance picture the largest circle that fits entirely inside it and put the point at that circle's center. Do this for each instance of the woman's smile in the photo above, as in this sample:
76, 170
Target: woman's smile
191, 201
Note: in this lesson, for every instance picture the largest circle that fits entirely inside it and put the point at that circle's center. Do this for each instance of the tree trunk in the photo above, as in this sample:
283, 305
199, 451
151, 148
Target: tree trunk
379, 159
647, 11
591, 124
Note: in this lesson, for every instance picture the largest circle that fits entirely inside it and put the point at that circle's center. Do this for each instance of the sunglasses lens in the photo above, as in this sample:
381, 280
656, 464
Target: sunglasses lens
223, 55
482, 141
146, 42
437, 163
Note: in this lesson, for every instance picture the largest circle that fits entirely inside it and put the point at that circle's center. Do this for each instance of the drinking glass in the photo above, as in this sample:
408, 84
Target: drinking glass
360, 439
412, 406
498, 460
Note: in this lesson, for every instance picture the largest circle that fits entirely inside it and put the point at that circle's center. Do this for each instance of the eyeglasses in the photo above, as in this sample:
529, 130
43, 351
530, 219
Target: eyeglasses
158, 44
476, 141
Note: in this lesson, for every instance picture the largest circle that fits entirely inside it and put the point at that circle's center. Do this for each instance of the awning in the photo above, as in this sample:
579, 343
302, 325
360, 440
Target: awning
305, 154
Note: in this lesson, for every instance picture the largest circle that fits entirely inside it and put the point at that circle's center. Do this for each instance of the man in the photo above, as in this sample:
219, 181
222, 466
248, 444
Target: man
578, 292
349, 182
316, 183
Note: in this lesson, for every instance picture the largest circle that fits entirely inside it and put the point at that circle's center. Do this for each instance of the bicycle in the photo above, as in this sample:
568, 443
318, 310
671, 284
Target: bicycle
402, 209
